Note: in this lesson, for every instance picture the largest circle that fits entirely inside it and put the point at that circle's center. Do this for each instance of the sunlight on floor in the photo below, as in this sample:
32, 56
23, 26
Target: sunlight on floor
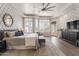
54, 40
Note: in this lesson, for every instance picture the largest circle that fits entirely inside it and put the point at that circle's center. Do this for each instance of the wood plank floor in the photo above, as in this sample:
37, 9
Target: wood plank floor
53, 47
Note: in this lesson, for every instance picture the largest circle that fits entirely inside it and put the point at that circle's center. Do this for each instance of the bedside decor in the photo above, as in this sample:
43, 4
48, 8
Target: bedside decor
7, 20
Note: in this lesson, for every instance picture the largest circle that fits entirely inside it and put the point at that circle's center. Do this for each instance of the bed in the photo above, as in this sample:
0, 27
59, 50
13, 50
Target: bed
26, 41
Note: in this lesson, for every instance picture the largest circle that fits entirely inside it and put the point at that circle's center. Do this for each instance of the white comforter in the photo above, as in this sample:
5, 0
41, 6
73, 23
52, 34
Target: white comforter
27, 40
26, 35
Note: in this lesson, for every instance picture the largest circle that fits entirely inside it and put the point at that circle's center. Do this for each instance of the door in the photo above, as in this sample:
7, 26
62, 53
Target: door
53, 27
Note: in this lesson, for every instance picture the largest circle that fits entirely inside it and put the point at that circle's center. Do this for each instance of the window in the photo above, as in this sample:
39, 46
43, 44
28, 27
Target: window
44, 26
28, 24
36, 29
37, 25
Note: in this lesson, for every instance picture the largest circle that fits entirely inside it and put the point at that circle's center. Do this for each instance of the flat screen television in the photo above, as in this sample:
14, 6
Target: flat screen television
73, 24
68, 25
77, 24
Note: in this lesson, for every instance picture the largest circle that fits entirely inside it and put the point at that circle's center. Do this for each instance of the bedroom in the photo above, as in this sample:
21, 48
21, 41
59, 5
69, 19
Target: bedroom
37, 26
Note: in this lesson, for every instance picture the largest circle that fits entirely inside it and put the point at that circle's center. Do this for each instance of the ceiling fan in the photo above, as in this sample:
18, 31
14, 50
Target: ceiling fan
47, 7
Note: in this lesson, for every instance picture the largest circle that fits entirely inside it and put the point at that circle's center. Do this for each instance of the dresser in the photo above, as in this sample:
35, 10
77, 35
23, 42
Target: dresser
70, 35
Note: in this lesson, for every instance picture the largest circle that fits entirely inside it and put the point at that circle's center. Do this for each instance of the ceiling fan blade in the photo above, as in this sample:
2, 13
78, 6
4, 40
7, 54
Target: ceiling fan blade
49, 10
47, 5
43, 5
50, 7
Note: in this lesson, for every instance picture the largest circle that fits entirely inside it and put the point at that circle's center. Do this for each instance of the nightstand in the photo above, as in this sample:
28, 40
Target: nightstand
3, 45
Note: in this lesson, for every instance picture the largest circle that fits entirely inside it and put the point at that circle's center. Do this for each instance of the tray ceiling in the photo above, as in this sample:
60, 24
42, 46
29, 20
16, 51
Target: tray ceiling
35, 8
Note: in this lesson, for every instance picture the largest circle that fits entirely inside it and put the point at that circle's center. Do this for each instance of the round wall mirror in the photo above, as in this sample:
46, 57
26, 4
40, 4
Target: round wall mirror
7, 20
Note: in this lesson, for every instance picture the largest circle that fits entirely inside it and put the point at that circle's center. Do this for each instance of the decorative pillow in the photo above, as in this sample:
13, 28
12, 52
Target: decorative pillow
11, 34
8, 34
19, 33
5, 34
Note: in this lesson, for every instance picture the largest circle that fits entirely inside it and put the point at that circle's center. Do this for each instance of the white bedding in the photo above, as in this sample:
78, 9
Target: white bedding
25, 41
26, 35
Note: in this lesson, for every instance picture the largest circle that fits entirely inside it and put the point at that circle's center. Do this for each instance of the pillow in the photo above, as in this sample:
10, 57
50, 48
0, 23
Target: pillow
8, 34
5, 34
19, 33
11, 34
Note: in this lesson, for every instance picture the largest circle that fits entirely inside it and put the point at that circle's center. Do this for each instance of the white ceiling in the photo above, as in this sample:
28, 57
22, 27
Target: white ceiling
34, 8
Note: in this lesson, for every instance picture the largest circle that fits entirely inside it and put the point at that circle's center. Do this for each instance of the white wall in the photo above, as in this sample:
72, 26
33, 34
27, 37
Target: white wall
69, 14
